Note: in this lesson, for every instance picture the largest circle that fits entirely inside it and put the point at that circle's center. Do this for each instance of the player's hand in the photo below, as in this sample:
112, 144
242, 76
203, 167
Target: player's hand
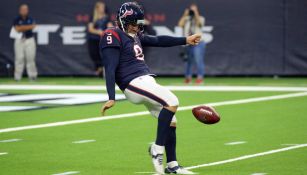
109, 104
193, 39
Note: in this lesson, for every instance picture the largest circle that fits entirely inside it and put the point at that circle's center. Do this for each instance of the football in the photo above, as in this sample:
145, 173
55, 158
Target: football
206, 114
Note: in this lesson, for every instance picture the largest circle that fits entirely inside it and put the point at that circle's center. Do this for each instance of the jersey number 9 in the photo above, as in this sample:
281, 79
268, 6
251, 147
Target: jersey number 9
109, 40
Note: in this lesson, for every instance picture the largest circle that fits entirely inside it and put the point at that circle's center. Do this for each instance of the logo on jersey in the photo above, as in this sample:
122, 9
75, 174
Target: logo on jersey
138, 52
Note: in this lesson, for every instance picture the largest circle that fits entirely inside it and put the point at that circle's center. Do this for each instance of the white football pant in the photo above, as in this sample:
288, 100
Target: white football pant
145, 90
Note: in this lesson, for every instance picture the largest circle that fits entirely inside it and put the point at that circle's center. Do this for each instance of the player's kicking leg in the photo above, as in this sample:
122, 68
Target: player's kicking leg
170, 148
163, 104
157, 149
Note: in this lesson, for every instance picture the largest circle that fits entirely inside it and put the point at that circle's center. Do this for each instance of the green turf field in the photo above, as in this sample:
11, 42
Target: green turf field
270, 132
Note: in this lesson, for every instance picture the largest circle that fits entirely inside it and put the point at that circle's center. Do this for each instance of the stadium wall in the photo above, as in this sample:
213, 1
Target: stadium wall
244, 37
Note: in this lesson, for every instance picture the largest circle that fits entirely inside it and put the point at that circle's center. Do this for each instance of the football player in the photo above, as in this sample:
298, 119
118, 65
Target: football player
123, 58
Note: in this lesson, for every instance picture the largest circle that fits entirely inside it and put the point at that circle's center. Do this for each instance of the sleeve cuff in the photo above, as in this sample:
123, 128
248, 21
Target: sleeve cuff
183, 40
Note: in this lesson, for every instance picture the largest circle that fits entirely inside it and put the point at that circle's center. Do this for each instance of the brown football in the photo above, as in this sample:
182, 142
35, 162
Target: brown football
206, 114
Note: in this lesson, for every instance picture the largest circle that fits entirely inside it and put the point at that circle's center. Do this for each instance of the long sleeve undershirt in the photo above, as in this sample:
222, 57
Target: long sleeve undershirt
110, 56
162, 41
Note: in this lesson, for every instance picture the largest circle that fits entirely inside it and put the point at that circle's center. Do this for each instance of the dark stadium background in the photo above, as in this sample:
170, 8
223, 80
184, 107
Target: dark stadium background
250, 37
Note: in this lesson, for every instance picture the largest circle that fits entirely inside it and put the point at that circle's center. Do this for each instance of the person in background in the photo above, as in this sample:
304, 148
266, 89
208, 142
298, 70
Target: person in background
25, 47
192, 22
99, 22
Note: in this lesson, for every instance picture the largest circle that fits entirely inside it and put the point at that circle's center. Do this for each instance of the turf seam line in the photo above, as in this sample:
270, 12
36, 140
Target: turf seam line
174, 88
135, 114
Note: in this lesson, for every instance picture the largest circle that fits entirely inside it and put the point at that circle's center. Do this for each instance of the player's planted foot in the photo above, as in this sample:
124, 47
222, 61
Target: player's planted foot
156, 153
177, 170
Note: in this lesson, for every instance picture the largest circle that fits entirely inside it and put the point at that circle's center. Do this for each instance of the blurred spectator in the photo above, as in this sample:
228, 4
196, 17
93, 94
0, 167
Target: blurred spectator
99, 22
25, 46
192, 22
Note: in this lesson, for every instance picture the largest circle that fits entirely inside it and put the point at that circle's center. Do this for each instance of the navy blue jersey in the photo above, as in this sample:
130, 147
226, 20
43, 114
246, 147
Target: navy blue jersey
19, 21
123, 58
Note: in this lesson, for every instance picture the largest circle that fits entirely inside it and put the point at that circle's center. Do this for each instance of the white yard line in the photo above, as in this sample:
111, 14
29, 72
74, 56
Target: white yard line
10, 140
4, 153
83, 141
248, 156
67, 173
235, 143
289, 144
174, 88
239, 158
223, 103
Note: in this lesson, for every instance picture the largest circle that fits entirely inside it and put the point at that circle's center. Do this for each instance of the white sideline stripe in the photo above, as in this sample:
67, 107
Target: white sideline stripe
223, 103
249, 100
3, 153
174, 88
10, 140
236, 88
73, 122
66, 173
16, 108
248, 156
258, 174
83, 141
235, 143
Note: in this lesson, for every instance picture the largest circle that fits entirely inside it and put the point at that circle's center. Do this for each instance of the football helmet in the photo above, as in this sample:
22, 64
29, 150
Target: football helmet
130, 13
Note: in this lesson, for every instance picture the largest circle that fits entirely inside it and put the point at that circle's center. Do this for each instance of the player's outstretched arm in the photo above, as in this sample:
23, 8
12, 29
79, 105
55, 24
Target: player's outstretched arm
169, 41
110, 57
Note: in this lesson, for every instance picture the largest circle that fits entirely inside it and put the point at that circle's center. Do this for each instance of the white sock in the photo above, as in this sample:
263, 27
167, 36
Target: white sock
172, 164
158, 149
